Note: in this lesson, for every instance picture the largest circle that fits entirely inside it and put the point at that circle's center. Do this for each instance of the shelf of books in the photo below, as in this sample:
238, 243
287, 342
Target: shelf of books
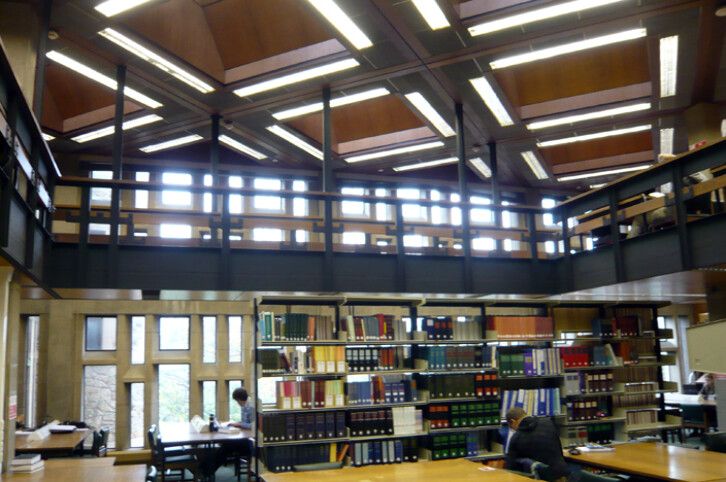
346, 381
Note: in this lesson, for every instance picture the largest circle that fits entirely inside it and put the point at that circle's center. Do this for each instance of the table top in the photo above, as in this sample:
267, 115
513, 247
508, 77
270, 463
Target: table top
53, 442
664, 462
448, 470
82, 469
182, 433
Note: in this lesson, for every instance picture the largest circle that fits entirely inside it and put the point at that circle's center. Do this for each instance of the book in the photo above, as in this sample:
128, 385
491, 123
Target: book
25, 459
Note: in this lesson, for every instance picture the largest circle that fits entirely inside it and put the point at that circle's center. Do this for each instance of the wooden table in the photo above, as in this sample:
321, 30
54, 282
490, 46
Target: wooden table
74, 470
175, 434
659, 461
442, 470
55, 443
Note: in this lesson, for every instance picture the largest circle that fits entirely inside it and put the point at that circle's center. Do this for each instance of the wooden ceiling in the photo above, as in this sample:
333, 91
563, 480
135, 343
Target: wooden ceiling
234, 43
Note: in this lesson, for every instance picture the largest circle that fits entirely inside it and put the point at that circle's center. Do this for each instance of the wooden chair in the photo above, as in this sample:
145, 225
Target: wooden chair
170, 467
695, 417
243, 459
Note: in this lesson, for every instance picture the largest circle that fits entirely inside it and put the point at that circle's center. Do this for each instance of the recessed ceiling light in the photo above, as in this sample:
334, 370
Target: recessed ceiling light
596, 135
342, 22
431, 12
337, 102
47, 137
568, 48
114, 7
296, 77
572, 119
180, 141
296, 141
597, 186
480, 166
602, 173
393, 152
668, 65
424, 165
423, 106
86, 71
534, 165
155, 60
107, 131
536, 15
224, 139
485, 91
666, 140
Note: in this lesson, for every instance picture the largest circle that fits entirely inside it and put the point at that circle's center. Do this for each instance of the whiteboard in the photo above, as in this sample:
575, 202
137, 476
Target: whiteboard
707, 347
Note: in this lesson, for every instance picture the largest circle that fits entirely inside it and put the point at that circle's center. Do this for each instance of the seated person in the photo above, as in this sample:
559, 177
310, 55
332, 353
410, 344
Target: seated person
536, 438
707, 395
227, 449
508, 429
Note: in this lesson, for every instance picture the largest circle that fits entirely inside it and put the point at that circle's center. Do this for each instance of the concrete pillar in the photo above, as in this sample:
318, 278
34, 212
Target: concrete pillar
19, 29
9, 321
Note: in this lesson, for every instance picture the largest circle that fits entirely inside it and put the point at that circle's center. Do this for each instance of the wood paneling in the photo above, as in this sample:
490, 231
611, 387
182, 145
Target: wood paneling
576, 74
580, 151
249, 30
357, 121
73, 94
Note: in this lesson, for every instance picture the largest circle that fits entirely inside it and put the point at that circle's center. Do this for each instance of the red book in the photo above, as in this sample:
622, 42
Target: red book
381, 326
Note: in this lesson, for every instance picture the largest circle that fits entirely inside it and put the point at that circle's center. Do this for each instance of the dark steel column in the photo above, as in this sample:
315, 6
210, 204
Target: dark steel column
117, 171
40, 60
9, 166
681, 218
615, 235
328, 187
496, 194
464, 193
214, 163
568, 282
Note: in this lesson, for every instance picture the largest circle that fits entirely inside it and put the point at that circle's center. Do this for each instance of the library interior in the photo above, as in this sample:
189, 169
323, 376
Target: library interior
363, 239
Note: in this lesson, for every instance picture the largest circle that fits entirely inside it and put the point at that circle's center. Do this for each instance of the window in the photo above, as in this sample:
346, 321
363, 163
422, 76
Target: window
175, 197
235, 411
411, 211
381, 208
267, 234
235, 339
357, 208
173, 393
137, 416
548, 219
138, 338
209, 339
354, 238
482, 244
436, 211
100, 333
455, 212
141, 198
413, 241
207, 196
300, 208
99, 398
175, 231
272, 203
209, 398
235, 200
479, 215
31, 373
174, 333
101, 195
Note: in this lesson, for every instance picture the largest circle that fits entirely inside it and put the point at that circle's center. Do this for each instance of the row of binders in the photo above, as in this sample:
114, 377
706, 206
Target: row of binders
588, 356
295, 327
620, 327
378, 359
450, 446
285, 458
378, 391
479, 385
448, 357
599, 433
520, 327
579, 410
286, 427
595, 381
310, 394
384, 452
292, 360
529, 362
372, 328
536, 401
454, 415
391, 421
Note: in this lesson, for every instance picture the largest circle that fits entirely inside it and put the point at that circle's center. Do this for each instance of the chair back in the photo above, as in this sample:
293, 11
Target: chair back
716, 442
151, 474
153, 439
692, 413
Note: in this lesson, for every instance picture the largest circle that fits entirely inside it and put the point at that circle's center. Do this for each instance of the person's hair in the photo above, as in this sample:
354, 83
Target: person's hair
515, 413
240, 394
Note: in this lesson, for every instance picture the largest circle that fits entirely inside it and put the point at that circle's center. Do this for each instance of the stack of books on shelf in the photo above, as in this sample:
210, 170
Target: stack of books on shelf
26, 463
620, 327
520, 327
310, 394
378, 391
286, 427
641, 416
537, 401
588, 356
594, 381
378, 359
450, 446
391, 421
455, 415
517, 361
285, 457
448, 357
601, 433
455, 385
295, 327
294, 360
378, 327
468, 330
384, 452
579, 410
438, 328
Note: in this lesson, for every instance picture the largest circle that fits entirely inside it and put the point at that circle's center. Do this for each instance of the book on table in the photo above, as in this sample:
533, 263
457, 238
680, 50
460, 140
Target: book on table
25, 459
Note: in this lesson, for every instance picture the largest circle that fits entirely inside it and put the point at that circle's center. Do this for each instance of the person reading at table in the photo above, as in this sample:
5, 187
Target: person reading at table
707, 395
241, 396
536, 438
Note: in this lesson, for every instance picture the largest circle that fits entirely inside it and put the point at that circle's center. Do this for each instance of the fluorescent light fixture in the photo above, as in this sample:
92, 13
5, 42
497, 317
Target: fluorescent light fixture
236, 145
536, 16
47, 137
568, 48
393, 152
666, 140
592, 115
424, 165
296, 141
423, 106
114, 7
668, 65
155, 60
597, 186
596, 135
342, 22
431, 12
480, 166
296, 77
107, 131
180, 141
534, 164
337, 102
485, 91
100, 78
602, 173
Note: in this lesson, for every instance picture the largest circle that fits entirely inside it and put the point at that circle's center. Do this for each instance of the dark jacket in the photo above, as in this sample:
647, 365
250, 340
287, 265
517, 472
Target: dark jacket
537, 439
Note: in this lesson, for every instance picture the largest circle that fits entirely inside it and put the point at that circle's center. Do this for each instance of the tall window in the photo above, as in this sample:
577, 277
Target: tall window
138, 339
271, 203
209, 398
480, 215
175, 197
31, 374
141, 198
548, 219
174, 333
235, 411
235, 200
411, 211
267, 234
137, 415
101, 195
173, 393
209, 339
100, 333
99, 398
437, 214
235, 338
300, 208
381, 208
455, 212
355, 208
207, 196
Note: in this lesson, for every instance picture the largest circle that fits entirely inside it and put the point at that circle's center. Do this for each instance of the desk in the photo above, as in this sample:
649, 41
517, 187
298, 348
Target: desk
663, 462
55, 443
448, 470
182, 433
73, 470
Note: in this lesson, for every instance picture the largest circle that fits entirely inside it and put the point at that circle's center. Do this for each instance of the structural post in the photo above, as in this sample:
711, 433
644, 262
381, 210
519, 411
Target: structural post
328, 187
214, 163
40, 60
117, 173
496, 194
615, 235
464, 194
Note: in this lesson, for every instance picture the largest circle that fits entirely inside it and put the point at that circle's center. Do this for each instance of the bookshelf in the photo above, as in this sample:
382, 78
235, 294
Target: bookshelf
374, 380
